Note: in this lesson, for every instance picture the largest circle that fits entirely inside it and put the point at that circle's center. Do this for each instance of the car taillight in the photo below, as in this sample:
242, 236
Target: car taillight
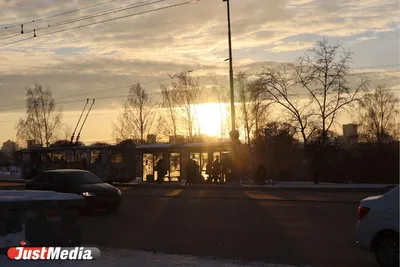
362, 211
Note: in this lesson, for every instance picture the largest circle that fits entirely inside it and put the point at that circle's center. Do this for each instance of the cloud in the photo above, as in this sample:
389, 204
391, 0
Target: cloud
291, 46
148, 47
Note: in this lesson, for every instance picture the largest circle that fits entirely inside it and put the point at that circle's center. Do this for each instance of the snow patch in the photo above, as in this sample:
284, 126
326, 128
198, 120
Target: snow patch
31, 195
128, 258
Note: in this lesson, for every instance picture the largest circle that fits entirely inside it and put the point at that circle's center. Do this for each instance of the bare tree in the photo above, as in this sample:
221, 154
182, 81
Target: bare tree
138, 116
323, 74
259, 108
168, 103
186, 96
67, 132
377, 116
42, 119
244, 97
279, 85
222, 95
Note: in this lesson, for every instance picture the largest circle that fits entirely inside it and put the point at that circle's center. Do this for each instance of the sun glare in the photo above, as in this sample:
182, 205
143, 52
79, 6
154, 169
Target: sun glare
209, 116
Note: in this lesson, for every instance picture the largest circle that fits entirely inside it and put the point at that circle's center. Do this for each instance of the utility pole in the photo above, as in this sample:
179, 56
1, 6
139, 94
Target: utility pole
232, 93
234, 134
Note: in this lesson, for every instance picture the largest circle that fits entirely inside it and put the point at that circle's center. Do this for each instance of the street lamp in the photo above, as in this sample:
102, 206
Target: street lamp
181, 75
234, 134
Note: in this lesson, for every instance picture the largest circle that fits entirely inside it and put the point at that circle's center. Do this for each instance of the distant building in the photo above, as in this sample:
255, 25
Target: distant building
180, 139
151, 138
350, 133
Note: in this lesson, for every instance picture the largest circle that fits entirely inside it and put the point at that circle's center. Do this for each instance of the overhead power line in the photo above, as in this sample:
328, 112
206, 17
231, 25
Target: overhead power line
56, 15
86, 17
83, 69
103, 21
67, 117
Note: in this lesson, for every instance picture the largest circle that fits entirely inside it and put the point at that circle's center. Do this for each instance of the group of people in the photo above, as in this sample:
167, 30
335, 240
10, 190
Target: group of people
161, 171
217, 171
192, 172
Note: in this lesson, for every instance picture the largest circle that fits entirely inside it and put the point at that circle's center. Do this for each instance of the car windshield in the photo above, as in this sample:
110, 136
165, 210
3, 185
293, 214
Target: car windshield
81, 178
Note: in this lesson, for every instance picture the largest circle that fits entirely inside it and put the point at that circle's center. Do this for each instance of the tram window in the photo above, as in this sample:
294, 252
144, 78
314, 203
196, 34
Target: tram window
69, 156
116, 157
26, 157
147, 165
57, 156
175, 164
80, 155
45, 157
95, 155
217, 155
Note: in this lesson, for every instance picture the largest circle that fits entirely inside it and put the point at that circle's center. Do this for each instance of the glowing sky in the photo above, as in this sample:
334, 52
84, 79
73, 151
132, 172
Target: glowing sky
101, 61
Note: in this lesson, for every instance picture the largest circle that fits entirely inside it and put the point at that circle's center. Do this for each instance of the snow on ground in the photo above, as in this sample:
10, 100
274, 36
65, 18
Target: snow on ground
128, 258
8, 175
320, 185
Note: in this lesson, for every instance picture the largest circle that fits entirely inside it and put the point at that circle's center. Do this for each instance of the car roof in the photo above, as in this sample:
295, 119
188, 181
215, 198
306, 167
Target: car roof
65, 171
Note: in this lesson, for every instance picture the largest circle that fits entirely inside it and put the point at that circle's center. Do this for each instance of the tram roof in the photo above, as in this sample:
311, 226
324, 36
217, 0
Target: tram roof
63, 148
156, 147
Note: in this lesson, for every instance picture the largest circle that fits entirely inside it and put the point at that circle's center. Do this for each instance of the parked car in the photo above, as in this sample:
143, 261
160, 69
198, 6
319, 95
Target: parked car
378, 227
98, 195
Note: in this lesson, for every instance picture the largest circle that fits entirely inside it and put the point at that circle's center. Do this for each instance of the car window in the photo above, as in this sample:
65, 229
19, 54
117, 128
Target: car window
50, 178
43, 178
81, 178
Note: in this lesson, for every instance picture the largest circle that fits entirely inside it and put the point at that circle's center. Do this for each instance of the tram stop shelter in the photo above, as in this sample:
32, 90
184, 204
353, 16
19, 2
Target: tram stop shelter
175, 158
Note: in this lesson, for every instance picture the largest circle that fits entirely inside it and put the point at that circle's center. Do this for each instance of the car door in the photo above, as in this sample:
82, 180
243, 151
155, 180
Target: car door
40, 183
48, 181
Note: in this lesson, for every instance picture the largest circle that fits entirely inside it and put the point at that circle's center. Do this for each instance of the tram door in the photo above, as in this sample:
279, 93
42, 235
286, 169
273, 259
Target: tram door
201, 161
175, 166
148, 167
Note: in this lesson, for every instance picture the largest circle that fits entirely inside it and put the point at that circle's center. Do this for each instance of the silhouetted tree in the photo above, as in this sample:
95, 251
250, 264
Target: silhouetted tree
323, 73
244, 98
137, 119
100, 144
170, 108
377, 116
222, 95
43, 119
65, 143
181, 100
279, 85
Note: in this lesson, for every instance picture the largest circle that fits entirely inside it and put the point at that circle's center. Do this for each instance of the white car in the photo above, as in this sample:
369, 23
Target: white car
378, 227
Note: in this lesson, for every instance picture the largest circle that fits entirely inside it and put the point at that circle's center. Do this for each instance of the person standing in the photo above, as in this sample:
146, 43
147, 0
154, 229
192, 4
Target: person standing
261, 174
189, 172
224, 170
209, 171
216, 169
160, 171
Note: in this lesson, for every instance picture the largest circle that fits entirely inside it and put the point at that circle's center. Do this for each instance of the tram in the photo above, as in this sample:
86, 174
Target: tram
111, 163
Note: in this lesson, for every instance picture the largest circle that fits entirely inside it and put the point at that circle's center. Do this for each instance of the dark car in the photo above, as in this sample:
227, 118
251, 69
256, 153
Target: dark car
98, 195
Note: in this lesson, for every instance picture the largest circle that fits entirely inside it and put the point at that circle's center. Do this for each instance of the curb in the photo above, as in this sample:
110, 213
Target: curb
20, 184
254, 188
13, 187
14, 181
253, 199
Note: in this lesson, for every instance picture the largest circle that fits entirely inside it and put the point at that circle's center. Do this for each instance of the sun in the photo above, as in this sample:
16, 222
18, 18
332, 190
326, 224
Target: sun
211, 117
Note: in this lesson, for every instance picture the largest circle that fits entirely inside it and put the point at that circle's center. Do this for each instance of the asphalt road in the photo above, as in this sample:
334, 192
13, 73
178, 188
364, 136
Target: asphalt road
297, 228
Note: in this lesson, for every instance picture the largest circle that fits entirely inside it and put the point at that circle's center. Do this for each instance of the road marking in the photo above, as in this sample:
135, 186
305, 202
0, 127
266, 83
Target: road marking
262, 195
173, 192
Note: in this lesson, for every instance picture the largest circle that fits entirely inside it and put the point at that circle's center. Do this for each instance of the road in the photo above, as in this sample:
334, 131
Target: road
296, 228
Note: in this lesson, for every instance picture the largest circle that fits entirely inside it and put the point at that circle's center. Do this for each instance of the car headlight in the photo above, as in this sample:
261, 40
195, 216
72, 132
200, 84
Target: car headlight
88, 194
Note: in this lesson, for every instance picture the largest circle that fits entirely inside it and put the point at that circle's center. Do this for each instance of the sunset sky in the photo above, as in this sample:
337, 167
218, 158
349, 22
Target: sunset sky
101, 61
